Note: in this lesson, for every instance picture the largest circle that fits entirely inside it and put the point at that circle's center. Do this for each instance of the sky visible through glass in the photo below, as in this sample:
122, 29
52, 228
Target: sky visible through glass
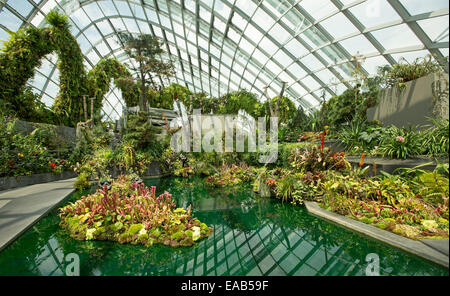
220, 46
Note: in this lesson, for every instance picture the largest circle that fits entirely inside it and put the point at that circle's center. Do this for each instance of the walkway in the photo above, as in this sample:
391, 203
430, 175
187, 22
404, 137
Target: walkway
21, 208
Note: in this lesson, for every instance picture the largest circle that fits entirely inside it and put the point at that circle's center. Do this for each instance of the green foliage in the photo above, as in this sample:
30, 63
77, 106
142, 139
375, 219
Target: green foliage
232, 102
168, 95
231, 175
100, 76
285, 187
436, 138
128, 212
392, 142
55, 19
145, 50
23, 52
287, 109
399, 74
20, 55
392, 203
26, 154
299, 124
140, 133
401, 143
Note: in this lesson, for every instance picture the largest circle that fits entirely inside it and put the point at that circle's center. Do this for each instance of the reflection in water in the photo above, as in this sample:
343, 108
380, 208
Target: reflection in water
251, 236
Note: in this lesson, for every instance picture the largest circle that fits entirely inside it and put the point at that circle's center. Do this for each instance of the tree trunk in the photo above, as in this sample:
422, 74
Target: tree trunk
143, 97
277, 108
85, 109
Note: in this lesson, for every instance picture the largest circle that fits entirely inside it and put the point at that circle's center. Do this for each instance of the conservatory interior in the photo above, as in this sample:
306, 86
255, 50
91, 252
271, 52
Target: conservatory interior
224, 137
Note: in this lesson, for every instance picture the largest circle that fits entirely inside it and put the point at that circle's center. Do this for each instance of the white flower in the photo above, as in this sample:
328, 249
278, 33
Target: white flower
195, 233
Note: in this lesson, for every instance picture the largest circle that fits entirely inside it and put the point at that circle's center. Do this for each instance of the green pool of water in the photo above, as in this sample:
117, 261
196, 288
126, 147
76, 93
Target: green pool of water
251, 236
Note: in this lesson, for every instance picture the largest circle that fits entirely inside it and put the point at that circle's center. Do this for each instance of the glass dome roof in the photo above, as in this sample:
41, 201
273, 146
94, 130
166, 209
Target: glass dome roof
220, 46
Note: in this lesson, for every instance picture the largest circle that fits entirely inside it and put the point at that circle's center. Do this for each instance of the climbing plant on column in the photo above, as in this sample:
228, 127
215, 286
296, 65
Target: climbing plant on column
23, 52
100, 77
68, 104
20, 55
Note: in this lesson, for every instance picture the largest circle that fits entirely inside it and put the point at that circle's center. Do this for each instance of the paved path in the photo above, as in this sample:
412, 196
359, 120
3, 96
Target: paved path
21, 208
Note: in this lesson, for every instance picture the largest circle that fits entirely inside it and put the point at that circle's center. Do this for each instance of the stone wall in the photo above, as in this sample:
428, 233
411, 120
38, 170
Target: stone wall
66, 133
421, 98
21, 181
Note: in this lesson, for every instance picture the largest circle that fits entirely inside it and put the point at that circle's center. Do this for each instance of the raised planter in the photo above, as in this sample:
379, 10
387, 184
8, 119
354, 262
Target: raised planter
417, 248
20, 181
65, 133
421, 98
153, 170
390, 165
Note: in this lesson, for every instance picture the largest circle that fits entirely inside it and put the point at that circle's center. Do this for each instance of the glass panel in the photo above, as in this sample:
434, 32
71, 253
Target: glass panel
338, 26
396, 37
123, 8
435, 28
318, 8
22, 7
358, 44
419, 6
9, 20
374, 13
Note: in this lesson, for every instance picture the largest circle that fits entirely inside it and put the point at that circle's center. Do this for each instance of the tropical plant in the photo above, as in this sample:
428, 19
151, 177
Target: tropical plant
399, 74
145, 50
436, 138
100, 77
401, 143
315, 159
130, 212
23, 52
140, 132
285, 187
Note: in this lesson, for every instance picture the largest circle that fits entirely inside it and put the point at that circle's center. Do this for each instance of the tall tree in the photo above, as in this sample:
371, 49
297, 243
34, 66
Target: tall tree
145, 50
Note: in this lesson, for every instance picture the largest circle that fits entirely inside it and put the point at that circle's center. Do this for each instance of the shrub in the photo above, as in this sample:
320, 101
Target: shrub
401, 143
436, 138
128, 212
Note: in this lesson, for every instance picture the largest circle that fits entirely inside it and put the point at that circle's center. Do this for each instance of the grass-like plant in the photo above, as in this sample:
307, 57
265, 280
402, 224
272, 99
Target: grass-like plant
401, 143
436, 139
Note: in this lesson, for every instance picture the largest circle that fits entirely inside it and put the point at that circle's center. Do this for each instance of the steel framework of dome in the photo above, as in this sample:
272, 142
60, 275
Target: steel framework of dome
220, 46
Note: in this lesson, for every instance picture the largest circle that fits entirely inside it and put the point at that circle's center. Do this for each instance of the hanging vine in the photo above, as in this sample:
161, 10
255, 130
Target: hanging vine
23, 52
99, 80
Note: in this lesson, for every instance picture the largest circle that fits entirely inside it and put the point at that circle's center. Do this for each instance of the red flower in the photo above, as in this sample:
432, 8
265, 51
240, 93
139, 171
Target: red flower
270, 182
361, 162
53, 165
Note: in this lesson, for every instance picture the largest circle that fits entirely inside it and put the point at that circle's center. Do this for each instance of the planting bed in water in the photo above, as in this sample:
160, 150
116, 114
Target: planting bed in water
130, 212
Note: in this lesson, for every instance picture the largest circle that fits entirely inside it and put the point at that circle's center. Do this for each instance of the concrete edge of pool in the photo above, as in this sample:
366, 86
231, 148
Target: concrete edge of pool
411, 246
21, 208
